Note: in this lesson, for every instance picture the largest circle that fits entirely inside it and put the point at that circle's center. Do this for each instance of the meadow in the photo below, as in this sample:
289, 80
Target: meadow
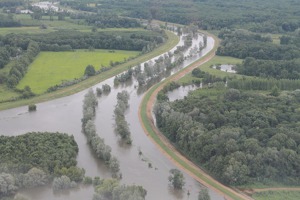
277, 195
51, 68
6, 94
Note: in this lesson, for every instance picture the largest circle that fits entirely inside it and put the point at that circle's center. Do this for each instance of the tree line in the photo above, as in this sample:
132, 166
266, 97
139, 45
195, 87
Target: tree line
20, 66
111, 189
263, 84
279, 69
109, 20
122, 126
8, 21
97, 143
68, 40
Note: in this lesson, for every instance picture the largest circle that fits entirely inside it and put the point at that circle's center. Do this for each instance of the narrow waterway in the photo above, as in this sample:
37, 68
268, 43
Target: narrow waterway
64, 115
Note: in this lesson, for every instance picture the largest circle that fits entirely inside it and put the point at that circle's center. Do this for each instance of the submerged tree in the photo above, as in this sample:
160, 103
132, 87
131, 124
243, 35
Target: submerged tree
176, 178
203, 194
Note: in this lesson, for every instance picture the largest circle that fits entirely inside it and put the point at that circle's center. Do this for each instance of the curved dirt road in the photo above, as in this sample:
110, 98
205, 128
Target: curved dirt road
193, 170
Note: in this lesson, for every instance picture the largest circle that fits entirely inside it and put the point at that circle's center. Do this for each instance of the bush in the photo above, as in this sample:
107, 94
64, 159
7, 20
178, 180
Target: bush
87, 180
31, 107
90, 70
99, 91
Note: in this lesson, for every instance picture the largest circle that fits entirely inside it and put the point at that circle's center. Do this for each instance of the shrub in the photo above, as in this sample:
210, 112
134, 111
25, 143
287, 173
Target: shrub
31, 107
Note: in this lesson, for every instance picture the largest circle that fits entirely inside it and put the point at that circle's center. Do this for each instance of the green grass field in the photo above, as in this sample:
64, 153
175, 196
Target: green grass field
6, 94
277, 195
170, 43
206, 67
51, 68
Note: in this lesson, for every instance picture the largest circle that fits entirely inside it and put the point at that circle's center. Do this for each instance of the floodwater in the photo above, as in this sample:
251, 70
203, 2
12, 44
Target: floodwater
181, 92
64, 115
225, 68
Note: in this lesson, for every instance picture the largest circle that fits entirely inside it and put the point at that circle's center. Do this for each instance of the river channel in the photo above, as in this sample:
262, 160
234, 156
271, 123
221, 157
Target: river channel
64, 115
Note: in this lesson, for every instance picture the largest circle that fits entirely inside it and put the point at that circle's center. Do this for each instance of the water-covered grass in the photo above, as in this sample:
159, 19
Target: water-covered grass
51, 68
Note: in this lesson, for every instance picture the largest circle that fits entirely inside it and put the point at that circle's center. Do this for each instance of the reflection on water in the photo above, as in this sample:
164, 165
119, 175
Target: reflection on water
181, 92
64, 115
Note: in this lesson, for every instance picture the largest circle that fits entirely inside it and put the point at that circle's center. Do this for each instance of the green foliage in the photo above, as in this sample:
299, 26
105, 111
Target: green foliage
284, 69
176, 179
241, 44
203, 194
90, 70
62, 183
198, 73
66, 40
275, 91
263, 84
45, 151
97, 143
87, 180
27, 93
33, 178
19, 68
170, 87
31, 107
232, 95
122, 127
110, 189
99, 91
7, 185
74, 173
106, 88
109, 21
240, 137
8, 21
213, 14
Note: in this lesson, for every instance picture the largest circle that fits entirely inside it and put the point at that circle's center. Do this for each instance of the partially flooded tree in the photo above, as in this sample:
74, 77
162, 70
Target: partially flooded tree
7, 184
62, 183
122, 127
203, 194
110, 189
176, 178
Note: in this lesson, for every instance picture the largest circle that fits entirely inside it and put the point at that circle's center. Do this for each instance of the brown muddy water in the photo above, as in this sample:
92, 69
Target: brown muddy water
64, 115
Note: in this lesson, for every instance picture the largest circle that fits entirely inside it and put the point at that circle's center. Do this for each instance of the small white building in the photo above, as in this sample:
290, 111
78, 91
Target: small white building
26, 12
46, 5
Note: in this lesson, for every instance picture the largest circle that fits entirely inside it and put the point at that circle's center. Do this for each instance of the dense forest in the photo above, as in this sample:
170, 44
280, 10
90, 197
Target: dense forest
32, 159
268, 17
242, 44
47, 151
240, 137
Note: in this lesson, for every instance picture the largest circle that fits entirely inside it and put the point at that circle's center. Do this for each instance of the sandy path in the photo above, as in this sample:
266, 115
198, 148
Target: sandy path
166, 142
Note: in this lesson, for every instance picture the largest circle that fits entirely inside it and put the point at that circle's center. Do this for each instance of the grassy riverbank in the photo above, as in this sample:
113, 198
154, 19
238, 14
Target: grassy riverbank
170, 43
